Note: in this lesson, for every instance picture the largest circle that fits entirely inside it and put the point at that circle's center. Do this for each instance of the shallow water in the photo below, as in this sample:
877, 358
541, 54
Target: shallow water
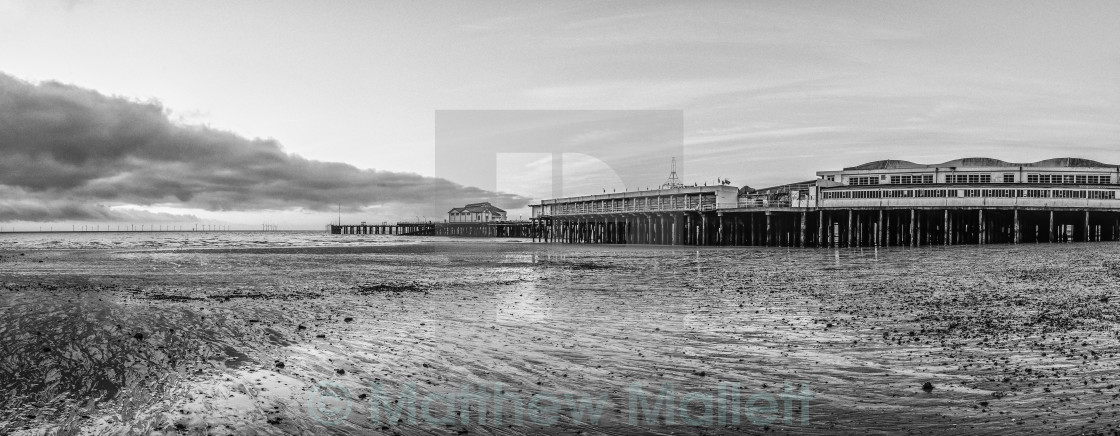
203, 239
1013, 339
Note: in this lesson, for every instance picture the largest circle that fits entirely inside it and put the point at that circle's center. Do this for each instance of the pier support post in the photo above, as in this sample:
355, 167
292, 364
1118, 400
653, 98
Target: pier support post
689, 234
983, 229
677, 229
879, 230
804, 225
851, 234
1053, 228
949, 228
1088, 229
768, 230
661, 231
820, 231
719, 229
913, 228
918, 230
703, 229
1018, 231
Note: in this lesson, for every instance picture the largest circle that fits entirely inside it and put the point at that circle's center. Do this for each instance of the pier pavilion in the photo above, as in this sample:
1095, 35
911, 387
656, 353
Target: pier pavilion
883, 203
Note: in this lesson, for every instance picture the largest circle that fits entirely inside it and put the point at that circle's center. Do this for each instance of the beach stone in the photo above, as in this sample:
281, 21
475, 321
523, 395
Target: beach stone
928, 387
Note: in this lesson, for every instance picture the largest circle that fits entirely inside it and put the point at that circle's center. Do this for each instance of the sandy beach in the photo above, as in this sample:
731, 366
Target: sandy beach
298, 340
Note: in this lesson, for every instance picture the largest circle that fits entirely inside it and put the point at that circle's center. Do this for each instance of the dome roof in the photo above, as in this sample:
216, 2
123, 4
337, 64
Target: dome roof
887, 165
973, 162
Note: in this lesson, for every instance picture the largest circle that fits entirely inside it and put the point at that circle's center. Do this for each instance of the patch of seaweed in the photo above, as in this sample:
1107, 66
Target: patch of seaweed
379, 288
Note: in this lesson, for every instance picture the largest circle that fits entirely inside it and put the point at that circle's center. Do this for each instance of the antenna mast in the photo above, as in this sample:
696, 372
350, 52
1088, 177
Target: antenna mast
673, 181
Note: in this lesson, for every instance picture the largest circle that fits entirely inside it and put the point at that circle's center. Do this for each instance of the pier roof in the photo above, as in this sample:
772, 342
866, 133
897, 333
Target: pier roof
478, 207
981, 162
727, 190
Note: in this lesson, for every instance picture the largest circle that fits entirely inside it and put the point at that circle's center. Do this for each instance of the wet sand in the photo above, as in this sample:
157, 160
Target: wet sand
236, 340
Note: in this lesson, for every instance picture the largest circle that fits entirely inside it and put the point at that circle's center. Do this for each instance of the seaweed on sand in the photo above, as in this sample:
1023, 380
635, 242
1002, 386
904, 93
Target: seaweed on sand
378, 288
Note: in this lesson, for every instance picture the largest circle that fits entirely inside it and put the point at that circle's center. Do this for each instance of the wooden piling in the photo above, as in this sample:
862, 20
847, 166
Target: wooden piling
1018, 232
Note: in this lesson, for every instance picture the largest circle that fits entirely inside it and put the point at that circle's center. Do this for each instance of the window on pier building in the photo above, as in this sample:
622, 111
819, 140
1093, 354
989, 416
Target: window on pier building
1006, 193
863, 181
1008, 178
902, 193
968, 178
852, 195
1064, 193
935, 193
912, 179
1080, 179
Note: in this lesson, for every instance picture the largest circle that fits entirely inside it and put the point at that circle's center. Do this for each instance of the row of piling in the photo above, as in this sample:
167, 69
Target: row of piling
832, 228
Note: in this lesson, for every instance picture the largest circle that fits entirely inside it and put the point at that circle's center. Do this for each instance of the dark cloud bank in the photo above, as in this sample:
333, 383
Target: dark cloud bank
67, 152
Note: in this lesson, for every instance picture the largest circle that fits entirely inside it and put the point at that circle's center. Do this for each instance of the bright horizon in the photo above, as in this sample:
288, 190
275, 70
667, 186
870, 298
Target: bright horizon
260, 102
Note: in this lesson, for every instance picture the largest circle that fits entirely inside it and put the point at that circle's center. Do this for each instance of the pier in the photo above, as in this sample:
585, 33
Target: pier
882, 204
492, 229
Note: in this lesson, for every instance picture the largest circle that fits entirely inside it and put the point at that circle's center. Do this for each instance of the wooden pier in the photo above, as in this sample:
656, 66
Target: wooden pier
816, 227
878, 204
829, 214
493, 229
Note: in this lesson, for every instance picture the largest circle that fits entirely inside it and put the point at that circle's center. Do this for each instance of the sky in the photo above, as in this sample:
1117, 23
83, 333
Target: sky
248, 112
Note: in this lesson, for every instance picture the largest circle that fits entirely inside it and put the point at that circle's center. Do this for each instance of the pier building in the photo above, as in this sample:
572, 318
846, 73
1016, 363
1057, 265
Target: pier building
475, 213
883, 203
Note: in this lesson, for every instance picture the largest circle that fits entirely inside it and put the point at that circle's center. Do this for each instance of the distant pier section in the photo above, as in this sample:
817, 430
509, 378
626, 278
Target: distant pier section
493, 229
884, 203
473, 220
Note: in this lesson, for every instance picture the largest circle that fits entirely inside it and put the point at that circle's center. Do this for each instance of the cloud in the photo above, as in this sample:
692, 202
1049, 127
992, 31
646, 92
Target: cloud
29, 209
66, 149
